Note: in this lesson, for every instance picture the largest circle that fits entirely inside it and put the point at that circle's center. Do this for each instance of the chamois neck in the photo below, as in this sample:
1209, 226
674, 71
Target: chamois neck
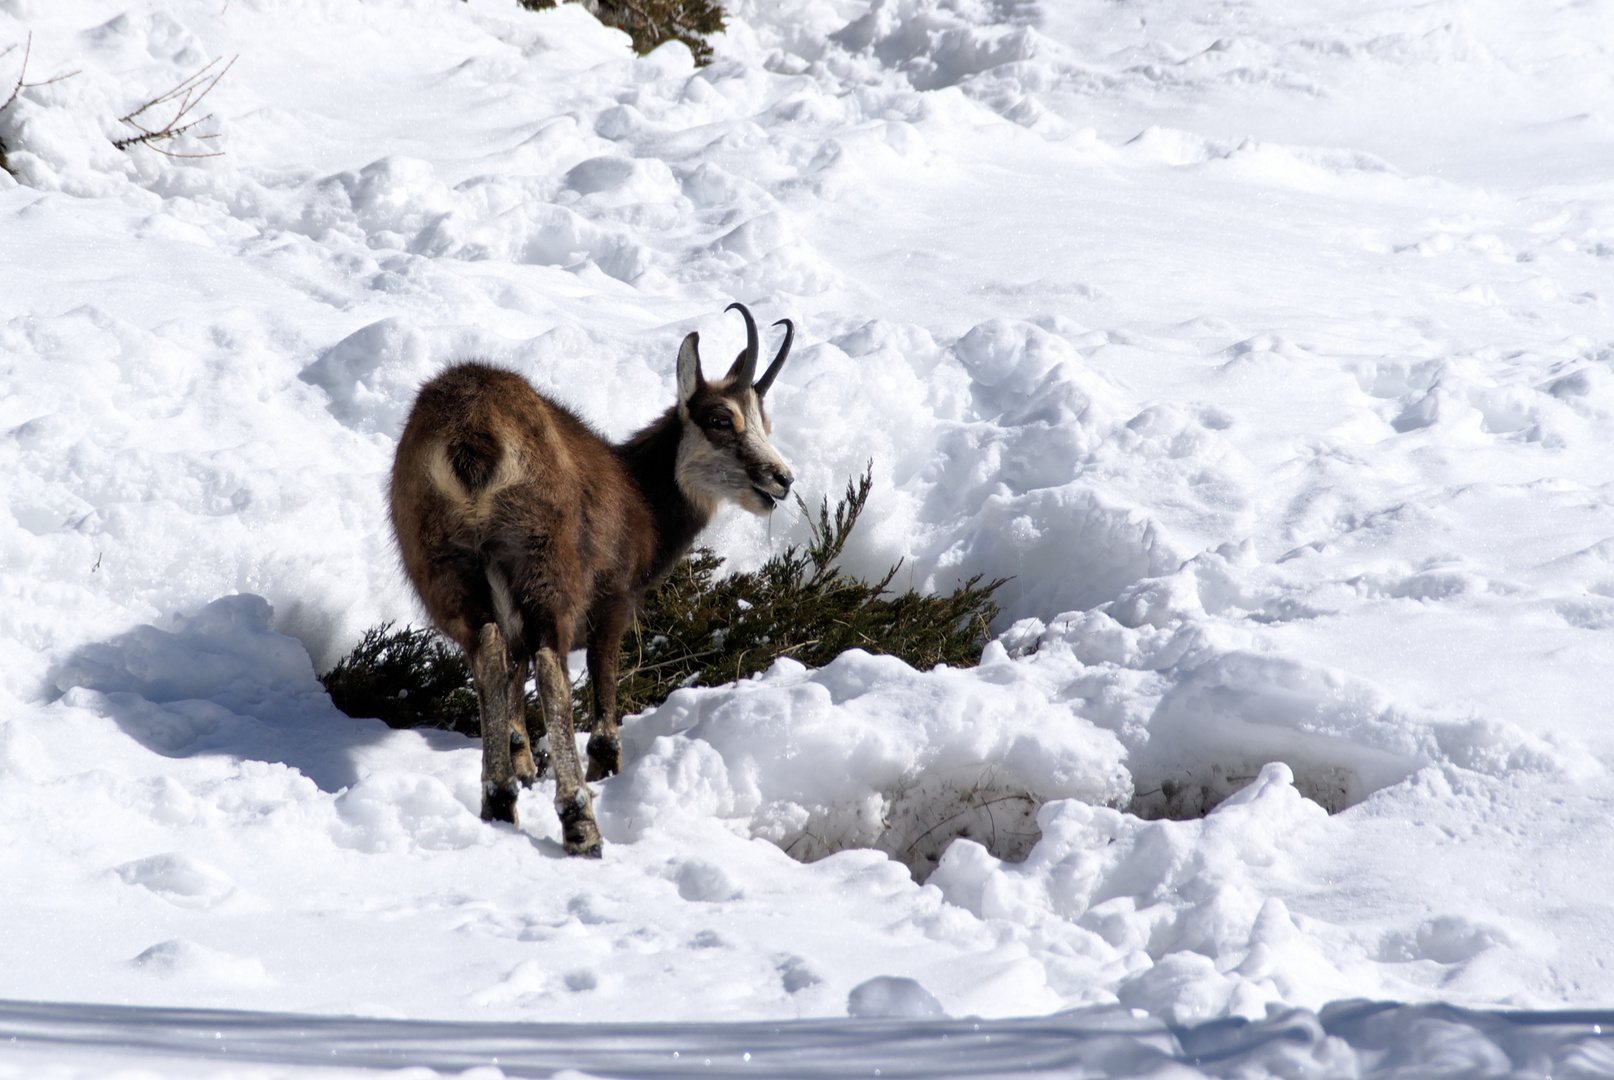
651, 458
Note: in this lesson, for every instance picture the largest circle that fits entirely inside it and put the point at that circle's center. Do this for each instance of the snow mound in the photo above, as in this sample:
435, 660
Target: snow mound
1195, 737
866, 752
935, 43
225, 652
183, 959
216, 682
388, 811
1120, 890
888, 997
179, 879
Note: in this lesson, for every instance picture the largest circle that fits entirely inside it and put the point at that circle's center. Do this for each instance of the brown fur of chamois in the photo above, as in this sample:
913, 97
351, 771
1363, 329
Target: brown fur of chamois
525, 532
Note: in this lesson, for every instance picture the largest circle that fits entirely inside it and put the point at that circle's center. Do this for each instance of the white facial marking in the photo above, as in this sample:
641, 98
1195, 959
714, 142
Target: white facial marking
701, 471
739, 466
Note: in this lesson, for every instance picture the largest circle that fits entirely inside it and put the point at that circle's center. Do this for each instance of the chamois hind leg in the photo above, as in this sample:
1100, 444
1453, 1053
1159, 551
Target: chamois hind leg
499, 680
609, 621
523, 751
572, 800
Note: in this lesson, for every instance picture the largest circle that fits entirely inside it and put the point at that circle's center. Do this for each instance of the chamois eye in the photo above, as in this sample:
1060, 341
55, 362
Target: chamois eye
719, 421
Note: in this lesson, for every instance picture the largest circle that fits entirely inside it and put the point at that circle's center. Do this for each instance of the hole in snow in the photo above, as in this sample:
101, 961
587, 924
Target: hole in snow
1195, 794
1213, 731
922, 820
917, 822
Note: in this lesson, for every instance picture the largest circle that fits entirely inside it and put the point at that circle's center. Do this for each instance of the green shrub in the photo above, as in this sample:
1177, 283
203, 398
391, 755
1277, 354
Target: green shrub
693, 630
698, 629
654, 22
407, 678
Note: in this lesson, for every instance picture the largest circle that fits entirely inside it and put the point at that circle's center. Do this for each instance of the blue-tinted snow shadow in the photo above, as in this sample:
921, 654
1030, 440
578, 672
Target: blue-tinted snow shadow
222, 682
1346, 1039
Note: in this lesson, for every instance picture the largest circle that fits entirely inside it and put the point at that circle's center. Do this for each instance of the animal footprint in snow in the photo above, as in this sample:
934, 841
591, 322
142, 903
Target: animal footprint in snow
179, 879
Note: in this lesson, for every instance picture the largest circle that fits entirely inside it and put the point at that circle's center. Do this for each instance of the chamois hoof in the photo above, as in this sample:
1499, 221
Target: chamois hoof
604, 757
586, 850
499, 801
577, 827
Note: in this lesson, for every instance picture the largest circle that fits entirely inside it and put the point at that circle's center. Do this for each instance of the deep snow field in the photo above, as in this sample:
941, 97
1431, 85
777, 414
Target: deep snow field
1265, 345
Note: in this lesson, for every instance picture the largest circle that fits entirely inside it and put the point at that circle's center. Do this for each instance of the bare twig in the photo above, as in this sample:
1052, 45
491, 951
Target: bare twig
21, 85
966, 809
184, 98
22, 73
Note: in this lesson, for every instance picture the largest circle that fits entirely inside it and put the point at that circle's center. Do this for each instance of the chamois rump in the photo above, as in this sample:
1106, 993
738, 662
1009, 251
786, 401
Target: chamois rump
524, 531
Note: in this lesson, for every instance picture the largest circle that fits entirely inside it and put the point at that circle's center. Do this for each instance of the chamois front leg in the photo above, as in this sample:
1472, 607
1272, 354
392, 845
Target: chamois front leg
499, 681
604, 652
572, 800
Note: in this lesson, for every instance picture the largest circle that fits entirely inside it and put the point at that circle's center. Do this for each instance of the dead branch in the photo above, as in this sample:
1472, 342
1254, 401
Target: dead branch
22, 73
21, 85
184, 98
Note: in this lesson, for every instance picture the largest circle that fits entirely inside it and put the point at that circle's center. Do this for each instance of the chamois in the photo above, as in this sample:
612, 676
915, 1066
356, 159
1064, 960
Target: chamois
522, 530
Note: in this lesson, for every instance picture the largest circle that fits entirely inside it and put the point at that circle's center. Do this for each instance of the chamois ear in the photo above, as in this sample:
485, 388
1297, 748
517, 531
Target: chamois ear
689, 368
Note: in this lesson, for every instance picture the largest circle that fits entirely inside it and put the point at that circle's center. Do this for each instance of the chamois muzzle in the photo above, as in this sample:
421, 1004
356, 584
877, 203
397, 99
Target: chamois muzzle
773, 486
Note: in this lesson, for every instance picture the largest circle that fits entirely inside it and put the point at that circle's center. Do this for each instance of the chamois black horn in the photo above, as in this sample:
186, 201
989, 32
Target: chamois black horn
745, 365
778, 361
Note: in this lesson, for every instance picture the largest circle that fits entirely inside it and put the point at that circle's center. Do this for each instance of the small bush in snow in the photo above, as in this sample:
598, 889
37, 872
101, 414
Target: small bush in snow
408, 678
697, 629
655, 22
693, 630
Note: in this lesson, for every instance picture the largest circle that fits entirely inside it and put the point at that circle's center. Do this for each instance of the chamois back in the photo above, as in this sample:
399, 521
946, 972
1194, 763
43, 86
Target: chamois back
494, 483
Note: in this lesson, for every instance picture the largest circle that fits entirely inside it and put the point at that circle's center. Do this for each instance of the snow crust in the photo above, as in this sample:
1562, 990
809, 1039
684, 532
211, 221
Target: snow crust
1264, 346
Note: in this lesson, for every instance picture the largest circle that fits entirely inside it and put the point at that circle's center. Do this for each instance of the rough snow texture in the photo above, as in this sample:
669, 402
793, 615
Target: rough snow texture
1265, 347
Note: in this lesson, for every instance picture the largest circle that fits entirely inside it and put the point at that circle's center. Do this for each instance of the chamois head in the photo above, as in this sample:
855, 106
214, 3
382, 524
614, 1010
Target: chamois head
724, 452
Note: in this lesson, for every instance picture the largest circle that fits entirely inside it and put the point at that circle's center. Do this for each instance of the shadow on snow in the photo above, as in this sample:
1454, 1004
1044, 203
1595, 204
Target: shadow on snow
1350, 1038
222, 682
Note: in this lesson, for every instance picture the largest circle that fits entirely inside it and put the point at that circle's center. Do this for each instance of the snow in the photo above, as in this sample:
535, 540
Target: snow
1263, 346
1346, 1040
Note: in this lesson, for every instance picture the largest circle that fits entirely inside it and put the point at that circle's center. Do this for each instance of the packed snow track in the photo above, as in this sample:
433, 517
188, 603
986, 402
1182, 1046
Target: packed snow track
1348, 1041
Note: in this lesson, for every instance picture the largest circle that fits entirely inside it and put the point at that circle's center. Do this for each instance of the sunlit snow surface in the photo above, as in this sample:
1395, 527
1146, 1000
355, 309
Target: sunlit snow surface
1265, 346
